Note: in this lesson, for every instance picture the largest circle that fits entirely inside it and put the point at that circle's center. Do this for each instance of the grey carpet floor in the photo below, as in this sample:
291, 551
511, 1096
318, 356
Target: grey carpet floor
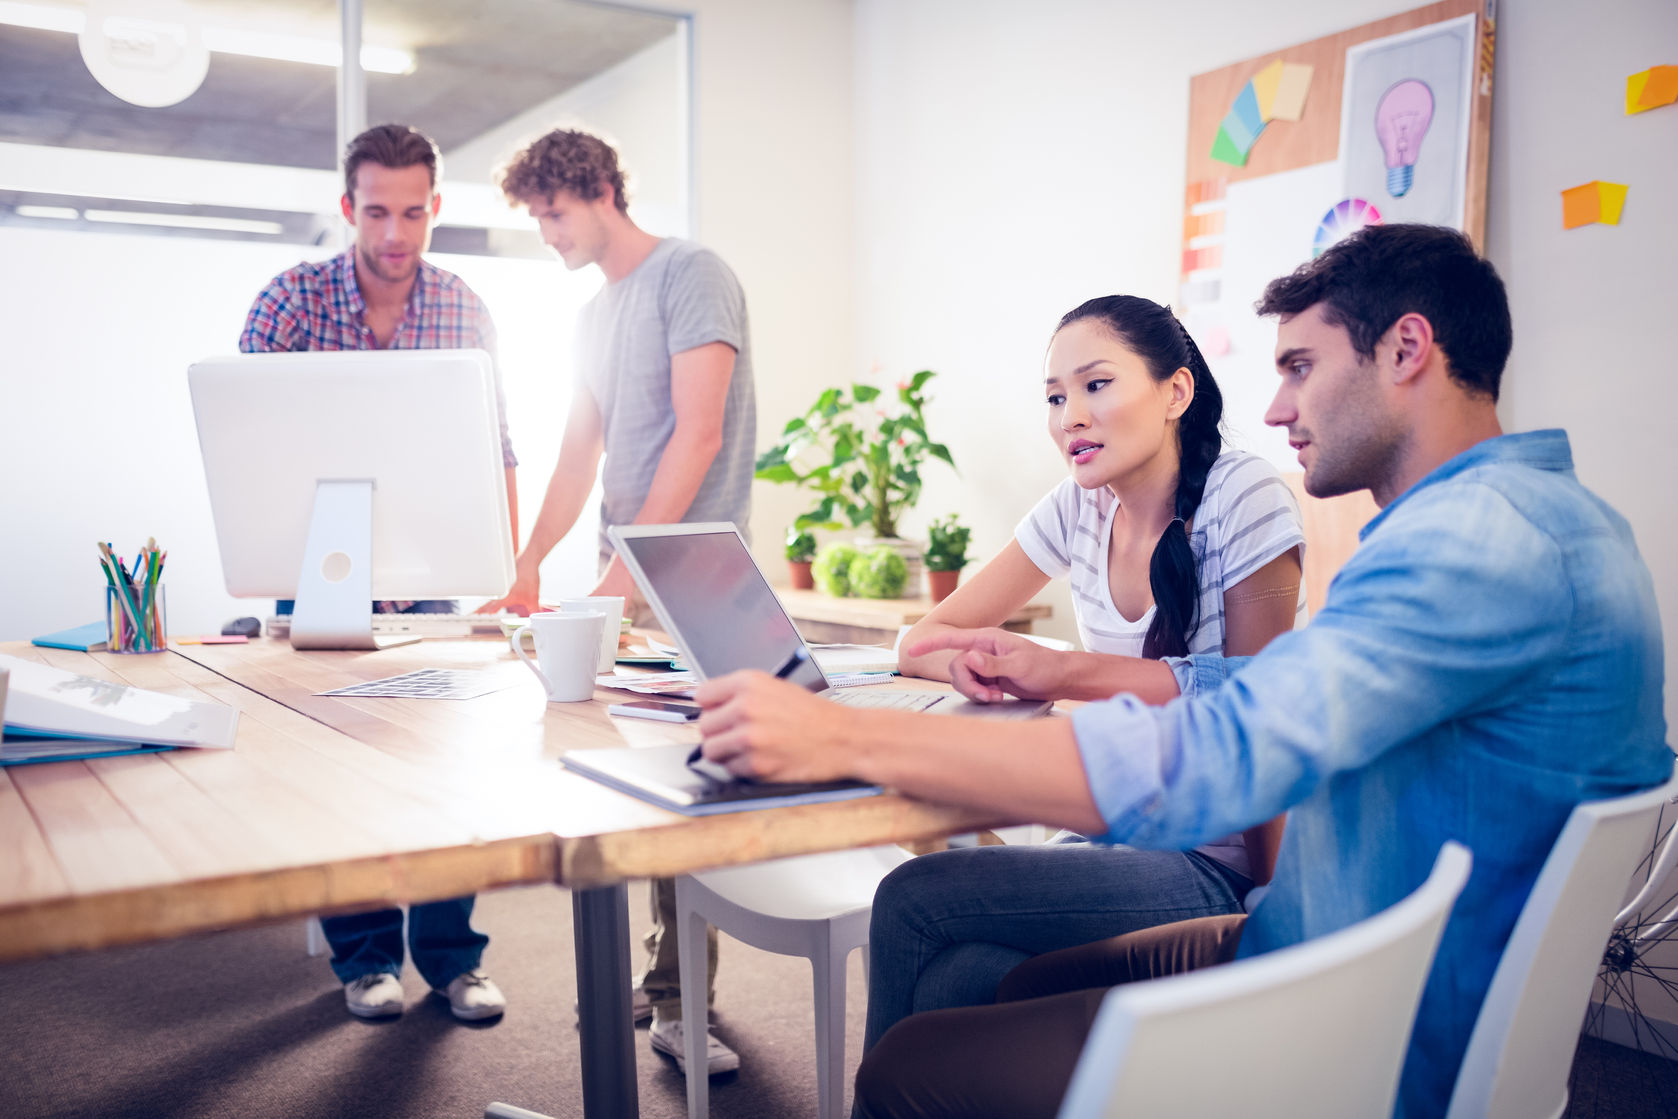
243, 1024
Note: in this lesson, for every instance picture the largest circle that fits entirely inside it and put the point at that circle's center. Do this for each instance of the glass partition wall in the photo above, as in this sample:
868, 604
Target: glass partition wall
161, 160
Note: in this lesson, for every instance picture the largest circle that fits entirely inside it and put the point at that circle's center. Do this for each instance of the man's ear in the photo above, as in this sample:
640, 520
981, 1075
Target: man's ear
347, 204
436, 204
1411, 338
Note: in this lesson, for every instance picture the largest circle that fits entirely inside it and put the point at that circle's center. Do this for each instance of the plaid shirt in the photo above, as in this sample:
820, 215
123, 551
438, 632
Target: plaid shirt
317, 306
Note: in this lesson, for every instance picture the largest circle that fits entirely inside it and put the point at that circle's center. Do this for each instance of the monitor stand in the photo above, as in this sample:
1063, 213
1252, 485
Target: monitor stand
335, 587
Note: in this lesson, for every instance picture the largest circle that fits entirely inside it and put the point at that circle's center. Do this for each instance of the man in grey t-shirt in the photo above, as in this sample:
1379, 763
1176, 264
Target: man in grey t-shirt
664, 391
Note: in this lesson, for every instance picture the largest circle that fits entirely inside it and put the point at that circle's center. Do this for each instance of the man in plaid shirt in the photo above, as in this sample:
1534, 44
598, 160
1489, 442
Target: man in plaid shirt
381, 295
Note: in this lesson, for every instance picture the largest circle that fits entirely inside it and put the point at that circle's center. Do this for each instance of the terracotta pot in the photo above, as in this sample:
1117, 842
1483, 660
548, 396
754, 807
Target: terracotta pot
942, 584
802, 580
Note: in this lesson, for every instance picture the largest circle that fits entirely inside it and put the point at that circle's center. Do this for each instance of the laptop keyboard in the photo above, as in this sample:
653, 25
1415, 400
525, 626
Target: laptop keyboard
894, 700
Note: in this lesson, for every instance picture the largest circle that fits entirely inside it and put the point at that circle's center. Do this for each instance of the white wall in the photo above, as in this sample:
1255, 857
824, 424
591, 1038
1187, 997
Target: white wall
1014, 159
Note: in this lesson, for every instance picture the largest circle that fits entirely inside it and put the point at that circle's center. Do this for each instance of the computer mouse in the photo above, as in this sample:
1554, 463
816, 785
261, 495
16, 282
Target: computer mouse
242, 627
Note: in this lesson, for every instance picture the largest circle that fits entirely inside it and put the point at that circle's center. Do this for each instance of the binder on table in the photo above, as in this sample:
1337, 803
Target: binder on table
53, 713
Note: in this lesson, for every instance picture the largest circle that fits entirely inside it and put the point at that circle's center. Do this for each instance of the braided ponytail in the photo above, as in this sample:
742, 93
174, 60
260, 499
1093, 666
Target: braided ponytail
1153, 333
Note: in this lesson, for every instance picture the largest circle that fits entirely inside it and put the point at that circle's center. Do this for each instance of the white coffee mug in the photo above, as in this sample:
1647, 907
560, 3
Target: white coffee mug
566, 649
612, 607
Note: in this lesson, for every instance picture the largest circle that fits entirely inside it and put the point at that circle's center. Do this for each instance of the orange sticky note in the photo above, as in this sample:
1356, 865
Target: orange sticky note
1593, 202
1651, 88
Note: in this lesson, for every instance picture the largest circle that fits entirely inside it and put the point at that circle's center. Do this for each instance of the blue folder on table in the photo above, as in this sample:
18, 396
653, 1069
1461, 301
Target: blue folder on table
84, 639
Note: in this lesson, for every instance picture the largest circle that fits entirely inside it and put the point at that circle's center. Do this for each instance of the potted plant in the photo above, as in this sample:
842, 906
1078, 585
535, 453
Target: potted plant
801, 549
946, 555
862, 462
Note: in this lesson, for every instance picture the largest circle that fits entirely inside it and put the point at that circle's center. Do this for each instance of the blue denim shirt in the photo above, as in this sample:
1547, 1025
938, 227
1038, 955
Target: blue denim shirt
1488, 658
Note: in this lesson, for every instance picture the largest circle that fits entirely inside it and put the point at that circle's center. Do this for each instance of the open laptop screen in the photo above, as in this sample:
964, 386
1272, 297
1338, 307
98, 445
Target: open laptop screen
712, 599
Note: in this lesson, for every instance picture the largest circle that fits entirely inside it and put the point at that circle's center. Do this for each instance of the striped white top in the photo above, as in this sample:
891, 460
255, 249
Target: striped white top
1247, 517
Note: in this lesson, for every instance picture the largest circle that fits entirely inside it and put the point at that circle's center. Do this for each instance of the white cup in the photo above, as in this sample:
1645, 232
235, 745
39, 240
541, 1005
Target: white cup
565, 649
612, 607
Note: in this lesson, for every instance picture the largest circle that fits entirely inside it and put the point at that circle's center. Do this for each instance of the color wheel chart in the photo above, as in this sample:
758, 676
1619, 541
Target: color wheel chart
1344, 219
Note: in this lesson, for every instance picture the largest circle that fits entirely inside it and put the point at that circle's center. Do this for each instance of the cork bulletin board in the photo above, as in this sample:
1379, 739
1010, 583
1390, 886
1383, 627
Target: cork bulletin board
1292, 149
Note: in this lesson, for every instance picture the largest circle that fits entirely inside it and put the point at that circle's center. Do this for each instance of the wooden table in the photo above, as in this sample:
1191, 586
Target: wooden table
875, 621
335, 805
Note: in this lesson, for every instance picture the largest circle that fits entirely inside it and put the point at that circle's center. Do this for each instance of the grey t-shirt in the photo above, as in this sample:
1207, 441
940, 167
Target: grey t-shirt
681, 297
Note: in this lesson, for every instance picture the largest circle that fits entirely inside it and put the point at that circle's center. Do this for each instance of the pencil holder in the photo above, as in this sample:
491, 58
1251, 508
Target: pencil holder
136, 624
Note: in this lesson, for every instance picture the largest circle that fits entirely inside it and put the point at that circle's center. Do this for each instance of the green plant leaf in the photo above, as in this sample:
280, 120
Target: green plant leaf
864, 393
795, 424
778, 472
920, 379
938, 450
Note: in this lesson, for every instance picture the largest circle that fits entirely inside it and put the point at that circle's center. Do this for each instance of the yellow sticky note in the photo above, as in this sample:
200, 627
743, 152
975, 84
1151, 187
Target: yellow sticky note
1265, 84
1595, 201
1651, 88
1611, 197
1291, 88
1634, 92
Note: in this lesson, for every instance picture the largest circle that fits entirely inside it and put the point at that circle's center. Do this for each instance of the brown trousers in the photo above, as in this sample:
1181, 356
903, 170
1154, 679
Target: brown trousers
1015, 1058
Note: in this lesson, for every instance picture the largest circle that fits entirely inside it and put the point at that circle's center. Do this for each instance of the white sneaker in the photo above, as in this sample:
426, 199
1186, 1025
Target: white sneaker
473, 995
667, 1038
375, 995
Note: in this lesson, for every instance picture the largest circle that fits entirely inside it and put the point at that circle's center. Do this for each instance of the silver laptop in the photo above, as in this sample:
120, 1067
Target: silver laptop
713, 601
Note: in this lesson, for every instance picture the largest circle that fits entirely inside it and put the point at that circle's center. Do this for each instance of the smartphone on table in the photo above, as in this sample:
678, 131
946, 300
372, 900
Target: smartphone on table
656, 709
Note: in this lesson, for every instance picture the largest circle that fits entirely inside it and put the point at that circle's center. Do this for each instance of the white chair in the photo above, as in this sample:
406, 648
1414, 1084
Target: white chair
816, 906
1338, 1010
1519, 1056
314, 937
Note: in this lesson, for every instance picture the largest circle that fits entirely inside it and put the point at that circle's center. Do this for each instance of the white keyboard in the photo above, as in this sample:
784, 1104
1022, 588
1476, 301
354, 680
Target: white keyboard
415, 625
891, 699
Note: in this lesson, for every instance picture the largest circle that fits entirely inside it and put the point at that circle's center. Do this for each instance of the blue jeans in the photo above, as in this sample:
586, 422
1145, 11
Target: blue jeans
440, 935
948, 926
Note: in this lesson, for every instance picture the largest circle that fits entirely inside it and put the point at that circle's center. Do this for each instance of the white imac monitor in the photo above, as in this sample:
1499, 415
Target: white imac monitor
343, 476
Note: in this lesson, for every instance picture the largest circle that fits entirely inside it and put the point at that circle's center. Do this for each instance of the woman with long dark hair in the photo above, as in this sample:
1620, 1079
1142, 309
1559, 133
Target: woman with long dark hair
1173, 544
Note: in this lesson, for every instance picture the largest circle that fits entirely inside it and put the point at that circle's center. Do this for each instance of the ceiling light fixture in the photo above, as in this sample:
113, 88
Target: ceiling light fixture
62, 213
185, 221
224, 40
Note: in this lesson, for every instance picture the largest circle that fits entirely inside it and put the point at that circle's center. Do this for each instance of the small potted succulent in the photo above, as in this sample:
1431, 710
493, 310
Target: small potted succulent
946, 555
801, 549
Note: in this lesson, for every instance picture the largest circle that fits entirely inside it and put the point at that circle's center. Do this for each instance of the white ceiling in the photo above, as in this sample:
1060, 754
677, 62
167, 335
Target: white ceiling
477, 64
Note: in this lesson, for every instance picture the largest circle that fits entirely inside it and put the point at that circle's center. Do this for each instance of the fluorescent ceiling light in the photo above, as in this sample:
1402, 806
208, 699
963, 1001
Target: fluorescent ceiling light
64, 213
185, 221
224, 40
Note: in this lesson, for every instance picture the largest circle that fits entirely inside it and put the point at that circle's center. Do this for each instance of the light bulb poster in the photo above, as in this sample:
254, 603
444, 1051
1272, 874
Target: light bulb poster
1404, 122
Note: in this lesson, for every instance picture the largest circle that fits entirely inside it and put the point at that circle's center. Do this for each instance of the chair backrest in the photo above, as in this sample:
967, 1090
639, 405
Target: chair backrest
1314, 1031
1518, 1058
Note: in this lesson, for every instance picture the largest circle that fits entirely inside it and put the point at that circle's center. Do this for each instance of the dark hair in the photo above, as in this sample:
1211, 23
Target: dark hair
1153, 334
390, 145
1381, 273
568, 160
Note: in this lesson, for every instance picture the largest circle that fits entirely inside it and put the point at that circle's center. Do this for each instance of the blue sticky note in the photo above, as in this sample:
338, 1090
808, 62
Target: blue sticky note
1240, 134
1247, 108
83, 639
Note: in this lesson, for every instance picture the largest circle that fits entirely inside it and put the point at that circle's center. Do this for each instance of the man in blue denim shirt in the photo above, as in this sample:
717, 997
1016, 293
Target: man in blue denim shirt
1490, 657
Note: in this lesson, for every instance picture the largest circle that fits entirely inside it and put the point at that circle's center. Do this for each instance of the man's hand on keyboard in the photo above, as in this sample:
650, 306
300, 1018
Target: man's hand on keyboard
992, 664
771, 730
521, 599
